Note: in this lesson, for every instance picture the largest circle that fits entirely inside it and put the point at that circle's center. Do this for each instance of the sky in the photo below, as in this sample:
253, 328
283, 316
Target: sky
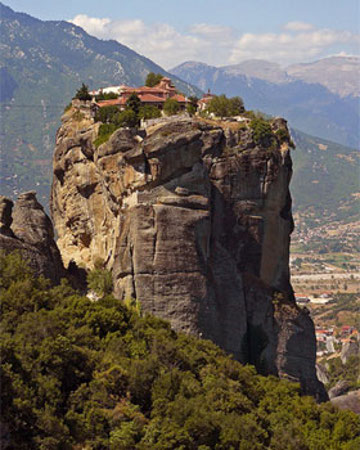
216, 32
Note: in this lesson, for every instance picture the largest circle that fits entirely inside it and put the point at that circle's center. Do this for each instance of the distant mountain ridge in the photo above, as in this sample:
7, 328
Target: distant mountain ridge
339, 74
325, 178
36, 85
42, 63
309, 106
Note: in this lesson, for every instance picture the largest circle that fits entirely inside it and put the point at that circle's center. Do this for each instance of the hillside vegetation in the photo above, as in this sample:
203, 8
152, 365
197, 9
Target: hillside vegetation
326, 178
99, 375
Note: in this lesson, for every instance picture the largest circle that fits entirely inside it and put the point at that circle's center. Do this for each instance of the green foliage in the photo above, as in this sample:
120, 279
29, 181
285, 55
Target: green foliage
97, 375
222, 106
262, 133
171, 107
153, 79
127, 118
100, 281
107, 96
133, 103
133, 305
191, 109
83, 93
192, 106
78, 116
107, 114
283, 136
105, 131
344, 372
149, 112
113, 119
337, 178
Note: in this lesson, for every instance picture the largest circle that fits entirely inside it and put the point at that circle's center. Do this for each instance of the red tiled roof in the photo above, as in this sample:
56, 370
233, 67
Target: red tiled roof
179, 98
150, 98
204, 100
112, 102
138, 90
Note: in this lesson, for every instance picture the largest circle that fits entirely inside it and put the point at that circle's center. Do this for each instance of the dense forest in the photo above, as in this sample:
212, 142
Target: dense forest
79, 374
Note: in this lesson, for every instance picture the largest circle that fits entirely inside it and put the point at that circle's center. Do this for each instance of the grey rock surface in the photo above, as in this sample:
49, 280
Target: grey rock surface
26, 228
194, 221
351, 401
340, 388
349, 349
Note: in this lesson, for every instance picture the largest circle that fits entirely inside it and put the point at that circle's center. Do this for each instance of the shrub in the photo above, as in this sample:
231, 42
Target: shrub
133, 103
149, 112
107, 96
127, 118
105, 131
262, 133
171, 107
100, 281
107, 114
283, 136
192, 106
222, 106
78, 116
236, 106
83, 93
153, 79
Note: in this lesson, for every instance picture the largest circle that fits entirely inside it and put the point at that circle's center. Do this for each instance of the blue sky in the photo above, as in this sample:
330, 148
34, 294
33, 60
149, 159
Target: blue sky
218, 32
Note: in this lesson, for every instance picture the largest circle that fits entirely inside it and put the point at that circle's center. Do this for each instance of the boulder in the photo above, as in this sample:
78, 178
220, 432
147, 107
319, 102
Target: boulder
26, 228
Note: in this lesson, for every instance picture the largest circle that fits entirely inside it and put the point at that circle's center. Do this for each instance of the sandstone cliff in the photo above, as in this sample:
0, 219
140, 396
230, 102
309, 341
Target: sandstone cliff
194, 220
26, 228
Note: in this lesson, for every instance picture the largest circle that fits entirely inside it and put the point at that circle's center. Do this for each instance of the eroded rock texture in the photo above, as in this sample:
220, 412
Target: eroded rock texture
194, 220
26, 228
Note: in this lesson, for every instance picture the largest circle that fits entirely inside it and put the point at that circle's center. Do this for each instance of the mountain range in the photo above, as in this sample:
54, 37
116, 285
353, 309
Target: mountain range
320, 98
42, 64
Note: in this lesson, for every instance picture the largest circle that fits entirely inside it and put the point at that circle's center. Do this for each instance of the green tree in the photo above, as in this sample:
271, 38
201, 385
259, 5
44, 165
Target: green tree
133, 103
171, 107
127, 118
236, 106
262, 132
192, 105
82, 374
153, 79
107, 96
107, 114
100, 281
83, 93
222, 106
149, 112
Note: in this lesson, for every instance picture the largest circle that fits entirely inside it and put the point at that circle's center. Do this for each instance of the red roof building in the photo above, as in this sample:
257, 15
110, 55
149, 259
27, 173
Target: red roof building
155, 96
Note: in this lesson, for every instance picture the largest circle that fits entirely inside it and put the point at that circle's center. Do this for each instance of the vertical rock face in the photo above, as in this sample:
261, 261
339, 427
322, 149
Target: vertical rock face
194, 220
25, 227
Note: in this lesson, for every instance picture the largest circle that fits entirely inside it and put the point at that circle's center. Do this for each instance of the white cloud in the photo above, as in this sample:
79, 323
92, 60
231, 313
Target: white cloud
298, 26
290, 47
92, 25
160, 42
220, 45
205, 29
